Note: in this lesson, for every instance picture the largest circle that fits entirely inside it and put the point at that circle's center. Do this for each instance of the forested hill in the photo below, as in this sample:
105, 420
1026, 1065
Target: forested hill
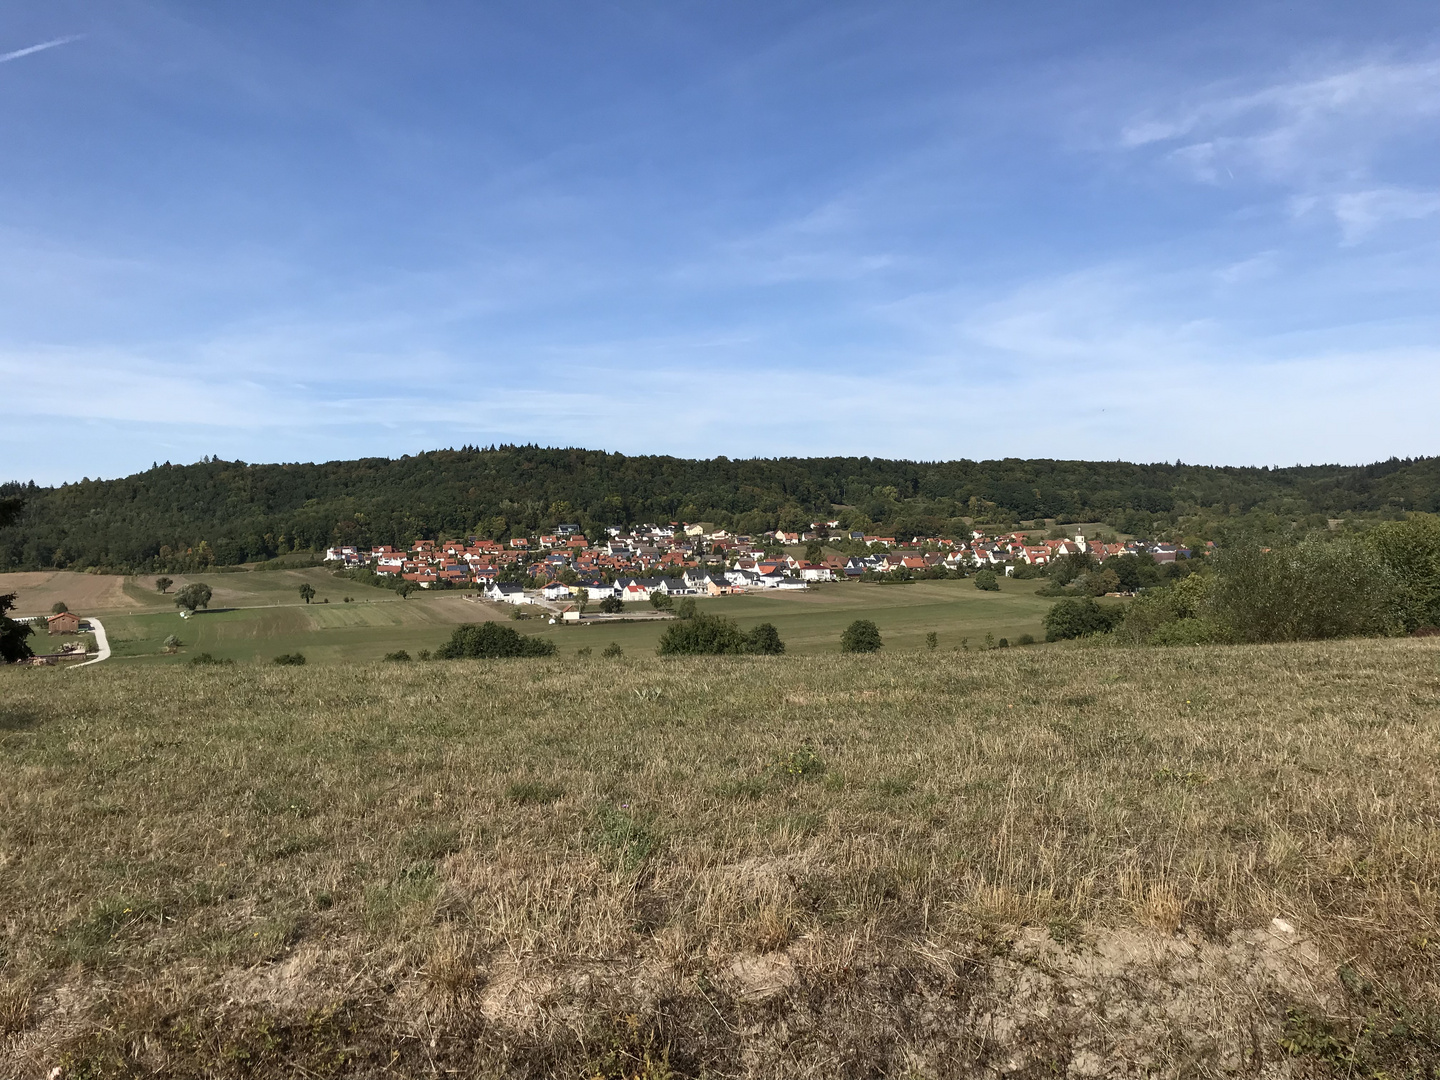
225, 512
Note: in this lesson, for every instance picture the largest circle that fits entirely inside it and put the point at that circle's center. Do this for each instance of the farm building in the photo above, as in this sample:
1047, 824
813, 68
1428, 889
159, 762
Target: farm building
66, 622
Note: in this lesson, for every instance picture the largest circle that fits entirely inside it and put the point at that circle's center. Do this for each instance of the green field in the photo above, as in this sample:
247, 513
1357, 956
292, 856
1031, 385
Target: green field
255, 616
1060, 861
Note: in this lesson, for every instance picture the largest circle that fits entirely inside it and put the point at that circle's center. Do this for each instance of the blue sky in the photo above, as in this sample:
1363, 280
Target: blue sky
291, 231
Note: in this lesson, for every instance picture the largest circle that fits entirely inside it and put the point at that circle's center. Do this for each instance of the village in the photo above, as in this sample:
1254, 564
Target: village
682, 559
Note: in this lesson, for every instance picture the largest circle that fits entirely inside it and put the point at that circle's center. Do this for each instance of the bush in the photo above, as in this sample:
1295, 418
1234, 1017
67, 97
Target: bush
932, 640
764, 640
399, 656
861, 636
612, 605
1316, 589
685, 608
490, 641
58, 608
704, 635
986, 581
1079, 617
714, 635
206, 658
1025, 639
290, 658
612, 651
1410, 552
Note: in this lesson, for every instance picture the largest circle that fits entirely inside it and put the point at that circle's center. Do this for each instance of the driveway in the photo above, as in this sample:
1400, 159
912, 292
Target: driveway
98, 629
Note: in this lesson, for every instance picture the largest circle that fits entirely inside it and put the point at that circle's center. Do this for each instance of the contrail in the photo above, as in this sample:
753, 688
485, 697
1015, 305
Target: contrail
7, 57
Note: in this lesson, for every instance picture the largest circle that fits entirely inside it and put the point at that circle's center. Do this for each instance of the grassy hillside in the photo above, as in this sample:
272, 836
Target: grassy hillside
1188, 862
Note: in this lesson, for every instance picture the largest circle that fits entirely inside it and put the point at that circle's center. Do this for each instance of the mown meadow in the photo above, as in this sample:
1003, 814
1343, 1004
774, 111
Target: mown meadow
1189, 861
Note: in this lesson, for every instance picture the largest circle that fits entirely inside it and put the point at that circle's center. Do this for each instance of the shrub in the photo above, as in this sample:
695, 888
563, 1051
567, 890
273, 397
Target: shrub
1316, 589
932, 640
715, 635
1076, 617
398, 656
58, 608
206, 658
764, 640
1025, 639
685, 608
490, 641
612, 651
1410, 552
986, 581
292, 659
861, 636
612, 605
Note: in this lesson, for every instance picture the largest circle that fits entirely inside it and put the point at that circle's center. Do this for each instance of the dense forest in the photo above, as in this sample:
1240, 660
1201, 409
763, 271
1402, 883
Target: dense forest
214, 512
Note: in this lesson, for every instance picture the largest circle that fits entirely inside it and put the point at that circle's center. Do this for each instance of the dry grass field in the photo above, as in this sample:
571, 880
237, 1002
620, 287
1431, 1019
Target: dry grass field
1040, 862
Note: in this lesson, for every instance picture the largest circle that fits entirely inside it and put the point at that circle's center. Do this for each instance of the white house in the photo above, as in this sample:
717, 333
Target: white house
556, 591
505, 593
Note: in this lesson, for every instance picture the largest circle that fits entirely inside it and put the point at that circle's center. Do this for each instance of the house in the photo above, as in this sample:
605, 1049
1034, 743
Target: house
67, 622
816, 572
505, 593
520, 543
556, 591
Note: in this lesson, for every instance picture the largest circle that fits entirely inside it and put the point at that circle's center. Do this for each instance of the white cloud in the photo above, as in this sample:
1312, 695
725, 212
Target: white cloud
1324, 137
1362, 212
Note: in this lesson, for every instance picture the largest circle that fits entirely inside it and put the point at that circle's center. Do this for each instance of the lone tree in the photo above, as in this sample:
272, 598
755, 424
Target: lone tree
986, 581
307, 592
612, 605
59, 607
195, 595
582, 599
163, 584
13, 645
862, 635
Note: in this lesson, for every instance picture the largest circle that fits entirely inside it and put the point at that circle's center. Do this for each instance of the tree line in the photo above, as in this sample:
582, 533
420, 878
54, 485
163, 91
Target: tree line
184, 518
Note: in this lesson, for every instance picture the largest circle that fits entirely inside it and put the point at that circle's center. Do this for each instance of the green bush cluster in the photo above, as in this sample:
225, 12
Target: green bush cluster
714, 635
1383, 582
491, 641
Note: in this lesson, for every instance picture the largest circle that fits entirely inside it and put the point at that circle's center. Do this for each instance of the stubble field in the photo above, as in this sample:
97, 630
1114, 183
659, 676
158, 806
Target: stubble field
1213, 861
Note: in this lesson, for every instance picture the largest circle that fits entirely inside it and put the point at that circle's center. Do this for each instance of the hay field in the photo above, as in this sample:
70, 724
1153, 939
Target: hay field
1026, 862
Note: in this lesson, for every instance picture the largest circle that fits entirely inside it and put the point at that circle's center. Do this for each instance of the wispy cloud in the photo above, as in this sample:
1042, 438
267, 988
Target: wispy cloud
1362, 212
1327, 138
5, 58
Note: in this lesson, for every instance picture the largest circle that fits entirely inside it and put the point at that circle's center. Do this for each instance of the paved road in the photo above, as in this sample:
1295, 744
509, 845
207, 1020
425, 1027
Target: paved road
98, 628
